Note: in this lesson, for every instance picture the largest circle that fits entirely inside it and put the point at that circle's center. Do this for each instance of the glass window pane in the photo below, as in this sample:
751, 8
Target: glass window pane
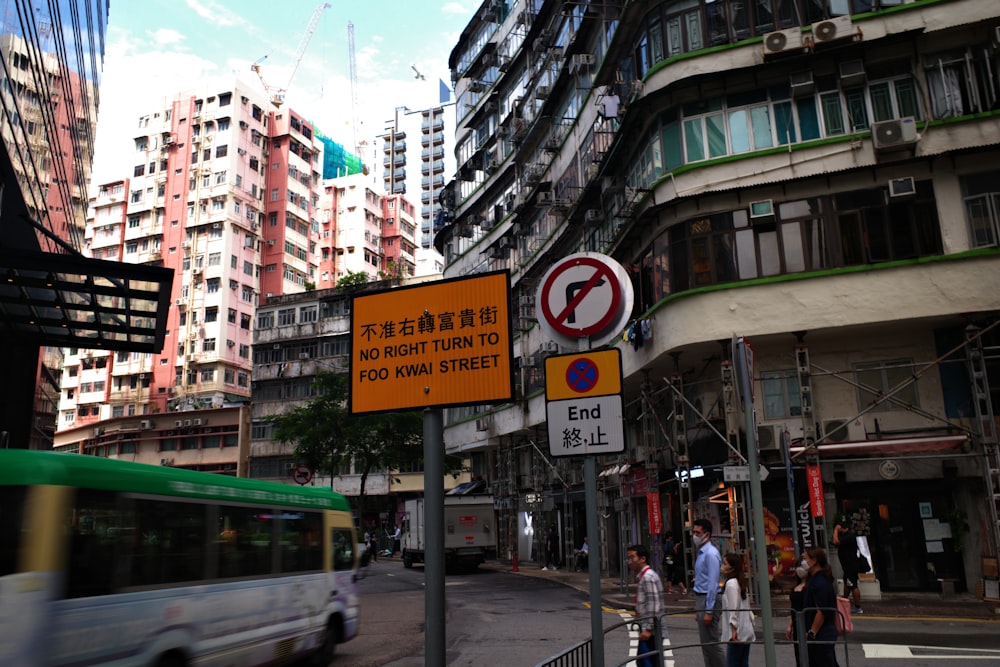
694, 140
738, 131
761, 121
774, 398
770, 256
881, 102
906, 98
857, 111
716, 135
746, 254
245, 538
791, 237
301, 543
833, 114
673, 152
808, 120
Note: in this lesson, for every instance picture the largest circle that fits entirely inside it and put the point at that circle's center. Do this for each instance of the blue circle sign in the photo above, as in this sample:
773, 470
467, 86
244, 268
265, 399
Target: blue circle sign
582, 375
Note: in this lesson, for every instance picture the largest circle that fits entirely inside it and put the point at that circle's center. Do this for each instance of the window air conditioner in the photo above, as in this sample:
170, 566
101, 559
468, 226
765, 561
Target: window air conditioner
852, 73
832, 30
303, 355
769, 437
592, 215
842, 430
197, 422
483, 424
899, 133
544, 198
802, 84
902, 187
761, 211
782, 41
145, 425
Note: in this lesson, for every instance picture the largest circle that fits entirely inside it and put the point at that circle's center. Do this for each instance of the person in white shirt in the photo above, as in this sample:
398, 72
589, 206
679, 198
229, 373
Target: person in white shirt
581, 556
737, 619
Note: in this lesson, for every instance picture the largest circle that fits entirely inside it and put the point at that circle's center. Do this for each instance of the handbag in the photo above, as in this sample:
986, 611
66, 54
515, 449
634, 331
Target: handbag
864, 567
844, 622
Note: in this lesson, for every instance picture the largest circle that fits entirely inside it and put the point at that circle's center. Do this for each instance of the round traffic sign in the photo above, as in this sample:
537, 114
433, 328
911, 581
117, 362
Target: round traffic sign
584, 295
582, 375
302, 475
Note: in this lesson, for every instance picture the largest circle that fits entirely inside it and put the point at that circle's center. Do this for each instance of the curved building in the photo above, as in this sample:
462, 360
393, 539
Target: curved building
819, 177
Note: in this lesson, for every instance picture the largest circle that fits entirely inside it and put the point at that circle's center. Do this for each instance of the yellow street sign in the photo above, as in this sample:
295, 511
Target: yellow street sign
436, 344
583, 375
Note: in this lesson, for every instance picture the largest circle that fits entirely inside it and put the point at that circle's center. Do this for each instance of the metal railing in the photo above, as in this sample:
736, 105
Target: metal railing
579, 654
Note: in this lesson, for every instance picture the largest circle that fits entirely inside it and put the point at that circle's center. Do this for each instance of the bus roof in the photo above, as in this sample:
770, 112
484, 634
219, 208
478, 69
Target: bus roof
19, 467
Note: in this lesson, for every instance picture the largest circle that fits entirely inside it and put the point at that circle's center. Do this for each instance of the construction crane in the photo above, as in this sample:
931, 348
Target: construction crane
358, 146
277, 95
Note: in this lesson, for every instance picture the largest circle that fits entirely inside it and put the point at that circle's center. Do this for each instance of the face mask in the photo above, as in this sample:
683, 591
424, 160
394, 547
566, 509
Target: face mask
804, 565
699, 540
801, 572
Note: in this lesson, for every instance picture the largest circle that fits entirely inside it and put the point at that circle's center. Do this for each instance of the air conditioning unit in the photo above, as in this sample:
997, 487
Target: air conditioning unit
842, 430
783, 41
178, 302
761, 211
542, 92
187, 423
526, 362
230, 343
832, 30
166, 462
581, 61
592, 215
902, 187
483, 424
303, 355
179, 423
802, 84
197, 422
592, 170
852, 73
769, 437
544, 198
896, 134
550, 346
98, 432
145, 425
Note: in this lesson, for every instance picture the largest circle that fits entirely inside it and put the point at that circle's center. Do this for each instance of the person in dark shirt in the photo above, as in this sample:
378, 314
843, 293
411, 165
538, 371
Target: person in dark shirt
847, 551
820, 603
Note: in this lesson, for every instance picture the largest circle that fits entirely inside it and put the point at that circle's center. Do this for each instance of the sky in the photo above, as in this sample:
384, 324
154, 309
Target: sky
158, 48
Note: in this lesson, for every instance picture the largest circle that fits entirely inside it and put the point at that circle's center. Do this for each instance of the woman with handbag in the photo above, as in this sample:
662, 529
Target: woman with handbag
847, 550
737, 619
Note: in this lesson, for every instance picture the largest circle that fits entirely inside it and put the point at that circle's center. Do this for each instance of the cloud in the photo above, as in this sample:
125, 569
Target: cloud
166, 37
454, 8
214, 13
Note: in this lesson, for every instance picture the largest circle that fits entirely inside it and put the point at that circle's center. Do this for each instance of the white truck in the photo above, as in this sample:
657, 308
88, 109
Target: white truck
469, 531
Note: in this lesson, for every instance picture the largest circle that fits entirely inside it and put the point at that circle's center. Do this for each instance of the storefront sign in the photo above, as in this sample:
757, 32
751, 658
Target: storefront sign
814, 482
653, 510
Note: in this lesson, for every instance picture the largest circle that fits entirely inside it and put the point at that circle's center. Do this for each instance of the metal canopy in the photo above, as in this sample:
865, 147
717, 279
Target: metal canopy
66, 300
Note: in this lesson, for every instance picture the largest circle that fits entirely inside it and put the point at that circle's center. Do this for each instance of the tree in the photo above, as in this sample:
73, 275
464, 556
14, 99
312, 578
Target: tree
327, 436
353, 281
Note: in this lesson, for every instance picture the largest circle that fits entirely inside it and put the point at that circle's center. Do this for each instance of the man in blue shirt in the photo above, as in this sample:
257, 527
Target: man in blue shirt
706, 591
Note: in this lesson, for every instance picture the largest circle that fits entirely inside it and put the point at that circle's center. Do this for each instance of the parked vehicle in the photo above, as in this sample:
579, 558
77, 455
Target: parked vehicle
469, 535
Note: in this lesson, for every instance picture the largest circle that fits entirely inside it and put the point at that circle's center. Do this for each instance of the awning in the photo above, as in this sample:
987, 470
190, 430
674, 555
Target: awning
67, 300
889, 447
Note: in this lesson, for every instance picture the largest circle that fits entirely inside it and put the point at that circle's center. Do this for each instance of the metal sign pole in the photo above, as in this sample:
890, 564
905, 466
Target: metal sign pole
434, 633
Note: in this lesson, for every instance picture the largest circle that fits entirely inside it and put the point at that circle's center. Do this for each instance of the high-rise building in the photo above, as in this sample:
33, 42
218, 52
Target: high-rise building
819, 177
224, 190
53, 296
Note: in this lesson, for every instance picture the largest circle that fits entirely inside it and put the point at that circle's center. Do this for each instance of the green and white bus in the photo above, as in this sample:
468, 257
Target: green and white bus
107, 562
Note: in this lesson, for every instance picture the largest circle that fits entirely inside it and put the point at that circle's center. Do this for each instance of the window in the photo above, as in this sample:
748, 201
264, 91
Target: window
211, 314
307, 314
207, 374
244, 351
208, 345
245, 321
265, 320
981, 193
231, 316
781, 394
212, 285
875, 379
286, 316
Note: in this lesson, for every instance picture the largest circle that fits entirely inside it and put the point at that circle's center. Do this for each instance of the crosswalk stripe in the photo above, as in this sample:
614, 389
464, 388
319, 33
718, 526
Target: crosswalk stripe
900, 651
633, 643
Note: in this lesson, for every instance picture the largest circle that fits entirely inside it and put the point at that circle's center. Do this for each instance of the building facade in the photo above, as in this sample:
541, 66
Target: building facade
52, 293
224, 193
818, 177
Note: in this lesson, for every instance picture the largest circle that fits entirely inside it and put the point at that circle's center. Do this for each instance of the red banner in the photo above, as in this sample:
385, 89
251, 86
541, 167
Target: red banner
814, 482
653, 510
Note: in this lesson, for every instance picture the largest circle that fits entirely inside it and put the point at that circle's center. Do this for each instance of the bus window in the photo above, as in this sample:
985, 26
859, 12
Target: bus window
11, 513
343, 549
245, 540
170, 542
95, 526
301, 546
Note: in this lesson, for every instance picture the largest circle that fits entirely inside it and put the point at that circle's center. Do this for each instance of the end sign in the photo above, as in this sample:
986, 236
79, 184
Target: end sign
432, 345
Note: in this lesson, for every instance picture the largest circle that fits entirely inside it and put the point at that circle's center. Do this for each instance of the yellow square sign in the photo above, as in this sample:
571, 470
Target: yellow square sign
583, 375
437, 344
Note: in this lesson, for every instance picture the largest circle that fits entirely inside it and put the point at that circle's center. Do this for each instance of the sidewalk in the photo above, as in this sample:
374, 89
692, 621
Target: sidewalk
892, 605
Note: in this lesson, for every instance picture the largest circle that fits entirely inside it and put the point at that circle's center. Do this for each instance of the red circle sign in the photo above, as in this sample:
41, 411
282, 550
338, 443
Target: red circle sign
302, 475
581, 287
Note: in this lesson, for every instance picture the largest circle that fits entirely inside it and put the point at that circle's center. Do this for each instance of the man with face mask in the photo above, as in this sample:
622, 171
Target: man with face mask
706, 590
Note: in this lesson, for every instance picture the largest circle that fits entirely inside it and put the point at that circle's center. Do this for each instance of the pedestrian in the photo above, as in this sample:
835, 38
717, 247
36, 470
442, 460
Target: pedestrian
847, 550
737, 619
648, 602
550, 550
582, 555
673, 570
370, 545
796, 603
707, 566
396, 537
820, 604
